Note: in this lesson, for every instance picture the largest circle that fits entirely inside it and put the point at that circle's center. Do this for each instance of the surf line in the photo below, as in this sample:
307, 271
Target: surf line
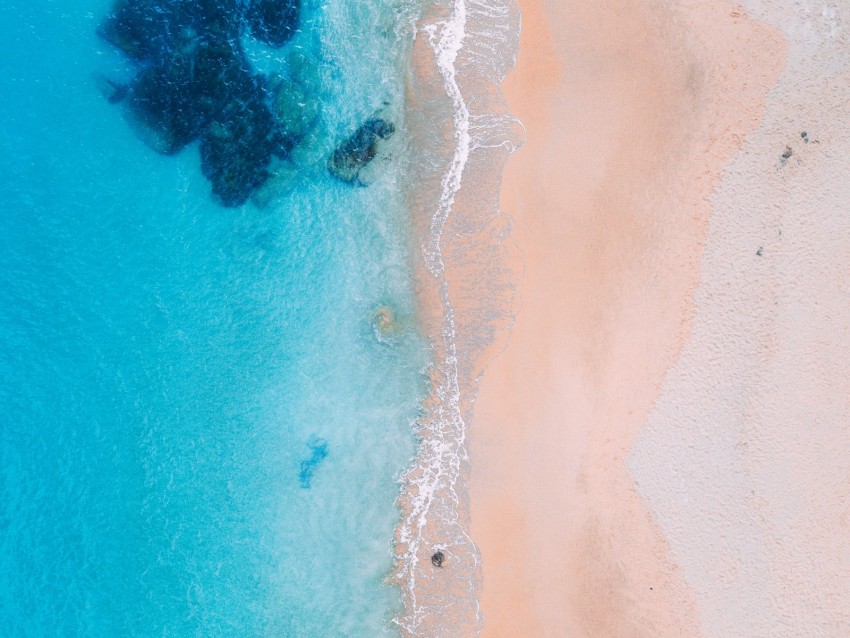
438, 564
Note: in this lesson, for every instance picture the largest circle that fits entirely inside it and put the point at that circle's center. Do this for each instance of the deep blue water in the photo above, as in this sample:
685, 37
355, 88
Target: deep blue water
200, 434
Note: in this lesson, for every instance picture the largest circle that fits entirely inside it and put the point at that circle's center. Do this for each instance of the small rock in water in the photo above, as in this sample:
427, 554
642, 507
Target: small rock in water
318, 453
385, 323
438, 558
358, 150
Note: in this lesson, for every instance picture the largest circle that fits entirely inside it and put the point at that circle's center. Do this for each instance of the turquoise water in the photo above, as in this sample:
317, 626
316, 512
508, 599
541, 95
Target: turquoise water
202, 431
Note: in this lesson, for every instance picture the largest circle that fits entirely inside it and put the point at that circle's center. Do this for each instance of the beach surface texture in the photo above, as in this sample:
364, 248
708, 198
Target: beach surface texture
662, 447
425, 318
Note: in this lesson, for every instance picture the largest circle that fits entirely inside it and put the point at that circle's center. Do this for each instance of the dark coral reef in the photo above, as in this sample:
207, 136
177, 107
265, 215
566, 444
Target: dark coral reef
193, 81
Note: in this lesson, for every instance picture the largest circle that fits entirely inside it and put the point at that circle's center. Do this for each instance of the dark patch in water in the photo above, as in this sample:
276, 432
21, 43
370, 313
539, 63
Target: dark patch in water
113, 91
236, 149
318, 453
358, 150
272, 21
193, 81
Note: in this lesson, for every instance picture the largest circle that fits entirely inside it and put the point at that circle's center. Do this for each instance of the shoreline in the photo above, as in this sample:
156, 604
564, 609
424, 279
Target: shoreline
632, 113
460, 137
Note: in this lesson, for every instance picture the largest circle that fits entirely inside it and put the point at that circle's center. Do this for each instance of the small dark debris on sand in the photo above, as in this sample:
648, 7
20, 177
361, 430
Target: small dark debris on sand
438, 558
759, 251
805, 137
788, 152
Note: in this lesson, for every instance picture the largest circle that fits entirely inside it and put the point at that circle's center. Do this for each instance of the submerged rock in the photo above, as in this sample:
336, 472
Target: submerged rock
306, 70
163, 110
177, 98
237, 149
113, 91
358, 150
219, 17
274, 21
438, 558
141, 29
318, 453
293, 109
385, 324
194, 81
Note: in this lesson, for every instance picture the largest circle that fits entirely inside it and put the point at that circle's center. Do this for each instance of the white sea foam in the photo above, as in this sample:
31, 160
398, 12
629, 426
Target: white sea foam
474, 44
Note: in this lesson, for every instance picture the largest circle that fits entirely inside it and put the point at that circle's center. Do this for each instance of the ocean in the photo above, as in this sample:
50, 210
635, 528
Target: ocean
208, 387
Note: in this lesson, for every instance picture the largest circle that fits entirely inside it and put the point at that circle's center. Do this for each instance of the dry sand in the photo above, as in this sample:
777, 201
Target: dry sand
745, 459
633, 108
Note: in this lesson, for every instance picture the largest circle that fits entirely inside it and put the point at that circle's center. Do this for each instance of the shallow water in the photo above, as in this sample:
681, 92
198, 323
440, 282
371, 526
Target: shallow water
169, 367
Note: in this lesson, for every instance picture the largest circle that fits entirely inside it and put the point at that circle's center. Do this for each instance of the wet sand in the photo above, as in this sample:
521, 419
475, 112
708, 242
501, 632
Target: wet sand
632, 110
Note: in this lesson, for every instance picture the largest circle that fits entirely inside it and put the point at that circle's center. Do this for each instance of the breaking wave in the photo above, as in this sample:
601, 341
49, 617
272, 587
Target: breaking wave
463, 134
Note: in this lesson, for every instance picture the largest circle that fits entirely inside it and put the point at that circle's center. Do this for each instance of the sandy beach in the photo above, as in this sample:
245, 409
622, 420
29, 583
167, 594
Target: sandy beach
605, 463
